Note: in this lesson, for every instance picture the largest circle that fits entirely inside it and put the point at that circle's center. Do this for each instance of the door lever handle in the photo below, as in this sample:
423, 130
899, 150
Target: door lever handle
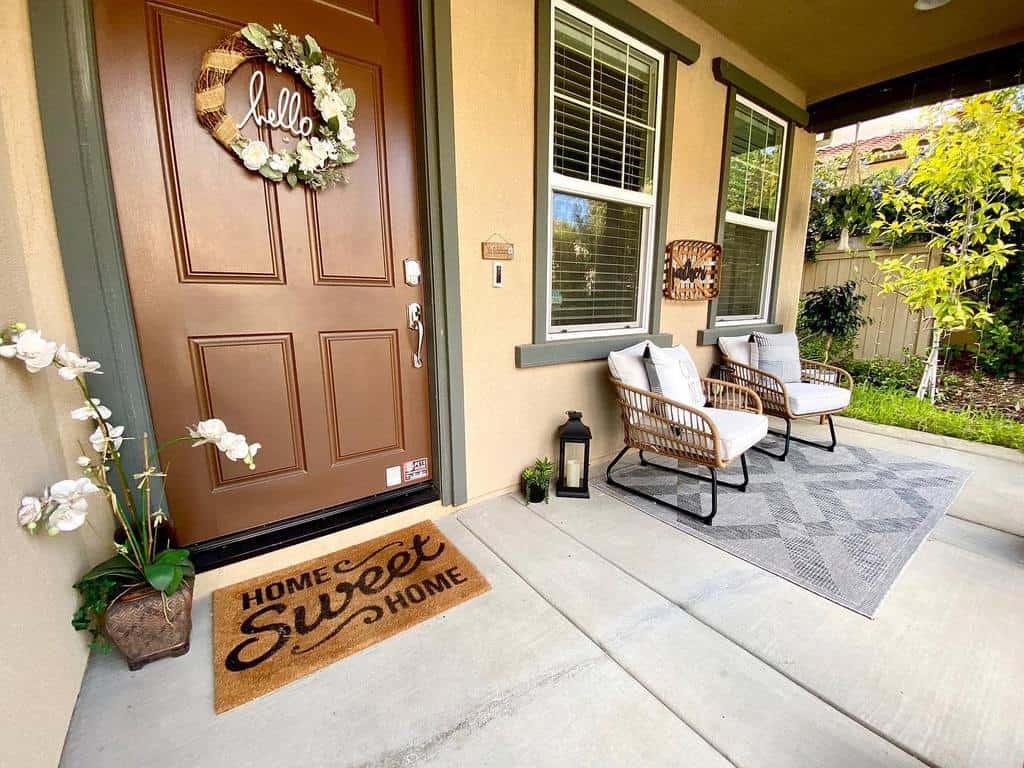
416, 324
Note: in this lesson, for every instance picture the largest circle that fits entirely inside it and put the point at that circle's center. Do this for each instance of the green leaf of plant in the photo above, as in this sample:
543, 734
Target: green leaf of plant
172, 556
257, 34
313, 53
117, 567
160, 576
348, 97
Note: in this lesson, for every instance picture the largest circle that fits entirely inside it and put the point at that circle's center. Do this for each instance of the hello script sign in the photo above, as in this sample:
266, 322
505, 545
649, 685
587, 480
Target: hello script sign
276, 628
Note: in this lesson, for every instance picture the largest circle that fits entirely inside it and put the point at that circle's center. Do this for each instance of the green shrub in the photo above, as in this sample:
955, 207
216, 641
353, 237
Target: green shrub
885, 373
902, 409
832, 314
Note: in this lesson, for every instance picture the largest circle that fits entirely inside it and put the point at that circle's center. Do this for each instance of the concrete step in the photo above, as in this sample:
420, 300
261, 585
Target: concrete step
747, 710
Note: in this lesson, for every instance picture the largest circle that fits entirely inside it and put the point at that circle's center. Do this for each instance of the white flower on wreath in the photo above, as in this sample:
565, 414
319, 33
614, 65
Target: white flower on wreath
31, 348
317, 78
99, 441
88, 411
308, 160
72, 506
30, 511
74, 364
280, 162
330, 104
254, 155
323, 149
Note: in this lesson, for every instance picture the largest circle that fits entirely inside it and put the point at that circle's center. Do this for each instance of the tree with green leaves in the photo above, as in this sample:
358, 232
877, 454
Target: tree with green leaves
958, 196
833, 312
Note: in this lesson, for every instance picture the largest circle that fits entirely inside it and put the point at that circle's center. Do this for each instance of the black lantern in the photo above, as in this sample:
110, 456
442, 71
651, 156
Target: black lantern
573, 458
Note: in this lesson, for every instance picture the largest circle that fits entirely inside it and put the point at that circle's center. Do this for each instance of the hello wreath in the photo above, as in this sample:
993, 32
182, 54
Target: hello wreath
324, 146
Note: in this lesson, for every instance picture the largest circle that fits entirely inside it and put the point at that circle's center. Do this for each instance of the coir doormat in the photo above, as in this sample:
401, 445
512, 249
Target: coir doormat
276, 628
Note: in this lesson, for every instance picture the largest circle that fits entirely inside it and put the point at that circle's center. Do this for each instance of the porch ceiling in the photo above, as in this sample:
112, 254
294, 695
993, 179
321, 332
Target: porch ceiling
829, 47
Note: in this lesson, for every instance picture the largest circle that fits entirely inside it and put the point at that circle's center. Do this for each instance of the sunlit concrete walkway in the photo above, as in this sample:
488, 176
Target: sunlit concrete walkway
610, 639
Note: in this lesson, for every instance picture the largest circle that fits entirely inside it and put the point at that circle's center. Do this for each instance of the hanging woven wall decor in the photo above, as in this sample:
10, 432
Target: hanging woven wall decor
693, 270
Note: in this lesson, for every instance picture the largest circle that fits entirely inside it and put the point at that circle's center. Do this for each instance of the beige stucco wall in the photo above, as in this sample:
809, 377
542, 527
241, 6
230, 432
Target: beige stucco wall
511, 414
42, 658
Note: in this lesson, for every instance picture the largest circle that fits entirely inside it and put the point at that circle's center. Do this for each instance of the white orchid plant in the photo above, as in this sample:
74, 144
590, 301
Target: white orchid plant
143, 553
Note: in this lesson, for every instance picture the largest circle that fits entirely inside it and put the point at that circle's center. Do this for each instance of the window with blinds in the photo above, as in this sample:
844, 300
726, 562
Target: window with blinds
605, 99
756, 148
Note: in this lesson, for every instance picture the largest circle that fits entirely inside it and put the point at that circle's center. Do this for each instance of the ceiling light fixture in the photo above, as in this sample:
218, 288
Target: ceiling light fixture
929, 5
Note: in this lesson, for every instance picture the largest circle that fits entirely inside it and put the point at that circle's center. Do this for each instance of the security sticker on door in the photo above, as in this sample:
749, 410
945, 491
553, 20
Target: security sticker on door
414, 470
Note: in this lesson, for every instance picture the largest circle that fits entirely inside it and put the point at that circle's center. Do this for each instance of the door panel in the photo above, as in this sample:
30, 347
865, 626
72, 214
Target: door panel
280, 311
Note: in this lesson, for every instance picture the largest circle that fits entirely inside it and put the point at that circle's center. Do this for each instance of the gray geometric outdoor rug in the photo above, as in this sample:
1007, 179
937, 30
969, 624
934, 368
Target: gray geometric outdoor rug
842, 525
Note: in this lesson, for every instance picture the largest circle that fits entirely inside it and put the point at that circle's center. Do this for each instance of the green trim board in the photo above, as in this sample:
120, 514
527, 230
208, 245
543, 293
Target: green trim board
570, 351
578, 350
643, 26
711, 334
81, 188
443, 300
82, 192
729, 74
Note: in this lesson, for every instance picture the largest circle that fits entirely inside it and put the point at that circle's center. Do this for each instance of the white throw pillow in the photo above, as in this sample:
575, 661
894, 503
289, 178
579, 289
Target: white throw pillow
671, 373
735, 348
627, 365
777, 354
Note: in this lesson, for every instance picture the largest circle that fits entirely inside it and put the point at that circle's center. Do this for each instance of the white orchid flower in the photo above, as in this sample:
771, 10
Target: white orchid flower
98, 440
87, 411
72, 506
74, 365
209, 431
30, 511
236, 448
83, 461
30, 347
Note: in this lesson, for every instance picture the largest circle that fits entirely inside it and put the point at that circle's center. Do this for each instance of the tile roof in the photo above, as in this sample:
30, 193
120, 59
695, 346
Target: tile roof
885, 143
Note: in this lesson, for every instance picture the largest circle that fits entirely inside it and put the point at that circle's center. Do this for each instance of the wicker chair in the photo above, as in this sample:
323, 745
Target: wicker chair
823, 390
712, 436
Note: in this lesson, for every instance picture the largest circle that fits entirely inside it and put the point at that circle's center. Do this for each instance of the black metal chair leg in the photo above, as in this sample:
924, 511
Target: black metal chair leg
738, 486
788, 434
637, 492
790, 437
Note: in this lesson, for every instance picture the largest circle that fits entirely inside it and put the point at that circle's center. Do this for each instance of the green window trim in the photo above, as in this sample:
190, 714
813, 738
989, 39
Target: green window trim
676, 48
729, 74
714, 331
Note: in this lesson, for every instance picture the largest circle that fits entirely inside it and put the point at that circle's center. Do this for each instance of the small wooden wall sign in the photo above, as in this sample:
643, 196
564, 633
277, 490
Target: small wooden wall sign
497, 251
693, 270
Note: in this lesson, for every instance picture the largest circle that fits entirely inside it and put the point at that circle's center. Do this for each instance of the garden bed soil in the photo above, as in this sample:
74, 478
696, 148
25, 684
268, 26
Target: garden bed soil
977, 392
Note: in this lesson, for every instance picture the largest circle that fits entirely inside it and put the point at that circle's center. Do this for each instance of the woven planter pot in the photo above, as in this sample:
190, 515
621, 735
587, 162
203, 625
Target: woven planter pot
137, 624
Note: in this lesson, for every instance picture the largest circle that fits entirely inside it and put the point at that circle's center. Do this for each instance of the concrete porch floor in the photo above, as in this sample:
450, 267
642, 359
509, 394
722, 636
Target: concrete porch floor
611, 639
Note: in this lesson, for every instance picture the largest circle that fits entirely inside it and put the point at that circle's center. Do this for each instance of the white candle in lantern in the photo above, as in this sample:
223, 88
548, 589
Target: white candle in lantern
572, 473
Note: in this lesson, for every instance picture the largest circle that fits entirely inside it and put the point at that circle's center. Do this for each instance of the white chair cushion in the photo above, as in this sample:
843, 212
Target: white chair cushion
805, 397
672, 373
736, 348
777, 354
627, 365
737, 430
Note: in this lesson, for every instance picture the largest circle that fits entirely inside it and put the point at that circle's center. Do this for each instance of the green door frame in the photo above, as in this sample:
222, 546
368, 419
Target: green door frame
83, 200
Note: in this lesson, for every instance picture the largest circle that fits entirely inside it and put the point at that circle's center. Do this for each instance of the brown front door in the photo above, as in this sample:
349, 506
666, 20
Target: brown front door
280, 311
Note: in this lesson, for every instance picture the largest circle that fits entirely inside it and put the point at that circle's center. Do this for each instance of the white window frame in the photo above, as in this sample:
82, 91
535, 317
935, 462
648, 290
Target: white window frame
763, 224
571, 185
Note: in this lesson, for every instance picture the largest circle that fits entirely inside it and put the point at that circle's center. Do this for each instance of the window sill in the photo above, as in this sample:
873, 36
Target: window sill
710, 336
578, 350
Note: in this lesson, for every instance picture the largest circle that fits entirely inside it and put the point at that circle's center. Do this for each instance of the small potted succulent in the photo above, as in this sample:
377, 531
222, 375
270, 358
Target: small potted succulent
141, 598
536, 480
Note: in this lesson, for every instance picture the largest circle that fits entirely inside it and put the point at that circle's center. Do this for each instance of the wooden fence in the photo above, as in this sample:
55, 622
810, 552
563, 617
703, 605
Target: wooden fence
894, 327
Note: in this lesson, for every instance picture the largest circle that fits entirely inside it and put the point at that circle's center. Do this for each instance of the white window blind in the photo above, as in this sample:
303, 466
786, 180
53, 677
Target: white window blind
756, 149
605, 120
